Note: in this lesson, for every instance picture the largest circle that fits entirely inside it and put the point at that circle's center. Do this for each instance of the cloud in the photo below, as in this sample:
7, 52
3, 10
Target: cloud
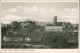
69, 15
13, 10
39, 14
34, 9
8, 18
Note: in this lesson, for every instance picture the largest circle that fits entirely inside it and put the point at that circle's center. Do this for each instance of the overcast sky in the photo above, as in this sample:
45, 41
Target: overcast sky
39, 11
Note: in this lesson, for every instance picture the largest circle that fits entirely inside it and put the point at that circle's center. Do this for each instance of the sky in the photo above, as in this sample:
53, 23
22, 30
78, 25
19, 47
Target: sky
39, 11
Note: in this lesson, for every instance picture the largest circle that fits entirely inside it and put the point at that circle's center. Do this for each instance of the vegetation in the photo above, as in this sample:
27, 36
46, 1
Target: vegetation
60, 40
47, 39
15, 25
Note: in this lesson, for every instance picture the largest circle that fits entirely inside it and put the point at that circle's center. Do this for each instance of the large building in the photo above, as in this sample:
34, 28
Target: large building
56, 26
53, 28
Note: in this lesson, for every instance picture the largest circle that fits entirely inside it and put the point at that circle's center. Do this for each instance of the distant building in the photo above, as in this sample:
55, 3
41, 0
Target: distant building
41, 23
75, 27
53, 28
28, 25
13, 37
55, 19
24, 25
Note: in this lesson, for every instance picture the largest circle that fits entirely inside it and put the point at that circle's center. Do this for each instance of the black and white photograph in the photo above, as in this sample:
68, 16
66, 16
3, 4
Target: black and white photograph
39, 25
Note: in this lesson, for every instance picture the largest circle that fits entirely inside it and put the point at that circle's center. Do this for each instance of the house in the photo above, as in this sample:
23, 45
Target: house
13, 37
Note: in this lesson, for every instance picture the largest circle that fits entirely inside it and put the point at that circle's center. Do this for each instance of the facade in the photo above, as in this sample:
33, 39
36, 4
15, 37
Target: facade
14, 38
53, 28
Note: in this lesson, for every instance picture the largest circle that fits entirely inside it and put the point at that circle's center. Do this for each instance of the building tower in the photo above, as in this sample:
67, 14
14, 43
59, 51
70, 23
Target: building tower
55, 19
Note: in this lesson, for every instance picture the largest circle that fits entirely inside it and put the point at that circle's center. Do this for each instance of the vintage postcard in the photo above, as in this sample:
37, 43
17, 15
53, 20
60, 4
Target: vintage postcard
40, 27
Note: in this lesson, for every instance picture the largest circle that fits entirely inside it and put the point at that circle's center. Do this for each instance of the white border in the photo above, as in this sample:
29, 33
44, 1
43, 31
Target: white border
39, 1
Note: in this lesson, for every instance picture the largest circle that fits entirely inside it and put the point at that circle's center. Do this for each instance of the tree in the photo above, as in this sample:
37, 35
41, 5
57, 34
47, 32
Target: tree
15, 25
32, 25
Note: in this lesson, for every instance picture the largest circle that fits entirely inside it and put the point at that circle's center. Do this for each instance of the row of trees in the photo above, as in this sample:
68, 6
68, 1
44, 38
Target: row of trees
16, 25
